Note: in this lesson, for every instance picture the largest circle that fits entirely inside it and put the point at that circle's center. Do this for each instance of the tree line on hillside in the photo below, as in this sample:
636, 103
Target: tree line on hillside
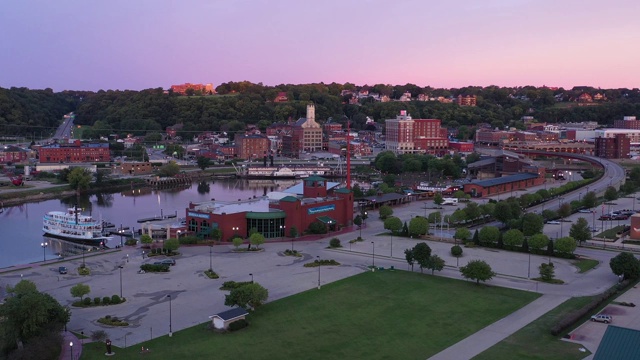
242, 103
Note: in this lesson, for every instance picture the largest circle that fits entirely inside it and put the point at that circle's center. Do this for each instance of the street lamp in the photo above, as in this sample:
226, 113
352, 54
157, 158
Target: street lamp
373, 255
120, 267
71, 348
210, 251
170, 328
562, 218
44, 251
318, 257
251, 278
529, 268
391, 243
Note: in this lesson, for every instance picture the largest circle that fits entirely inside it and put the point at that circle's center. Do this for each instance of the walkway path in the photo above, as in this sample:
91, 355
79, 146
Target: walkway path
498, 331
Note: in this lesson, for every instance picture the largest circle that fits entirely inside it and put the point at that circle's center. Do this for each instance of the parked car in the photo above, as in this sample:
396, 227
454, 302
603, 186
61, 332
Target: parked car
602, 318
586, 211
553, 222
62, 270
166, 262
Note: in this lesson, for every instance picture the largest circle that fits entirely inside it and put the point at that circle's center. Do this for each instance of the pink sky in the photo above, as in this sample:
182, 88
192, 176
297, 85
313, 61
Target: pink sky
125, 44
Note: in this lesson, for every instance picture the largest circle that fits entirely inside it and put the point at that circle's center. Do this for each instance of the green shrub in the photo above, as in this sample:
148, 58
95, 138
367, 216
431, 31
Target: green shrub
211, 274
87, 301
230, 285
96, 301
238, 324
456, 250
113, 321
155, 268
317, 263
106, 300
84, 271
115, 299
131, 242
335, 243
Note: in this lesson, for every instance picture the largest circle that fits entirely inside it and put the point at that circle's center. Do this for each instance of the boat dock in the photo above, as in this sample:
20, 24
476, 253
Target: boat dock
158, 218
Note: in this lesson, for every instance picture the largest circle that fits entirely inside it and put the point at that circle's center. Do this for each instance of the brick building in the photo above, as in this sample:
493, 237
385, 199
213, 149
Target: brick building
251, 146
461, 147
627, 122
135, 168
492, 137
13, 154
274, 218
618, 147
182, 89
306, 135
407, 135
75, 152
505, 184
467, 100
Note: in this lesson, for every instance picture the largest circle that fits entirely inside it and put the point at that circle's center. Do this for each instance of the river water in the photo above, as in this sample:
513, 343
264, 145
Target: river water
21, 226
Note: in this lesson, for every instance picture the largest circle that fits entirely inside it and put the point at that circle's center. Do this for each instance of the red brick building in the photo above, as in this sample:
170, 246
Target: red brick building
468, 100
617, 147
274, 219
182, 89
628, 122
251, 146
462, 147
491, 137
505, 184
428, 136
75, 152
229, 151
13, 154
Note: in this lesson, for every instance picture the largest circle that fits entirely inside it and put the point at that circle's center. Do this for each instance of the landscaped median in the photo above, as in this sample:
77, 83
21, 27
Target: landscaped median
371, 315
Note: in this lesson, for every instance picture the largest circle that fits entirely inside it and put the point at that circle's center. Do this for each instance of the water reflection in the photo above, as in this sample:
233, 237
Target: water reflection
63, 248
203, 187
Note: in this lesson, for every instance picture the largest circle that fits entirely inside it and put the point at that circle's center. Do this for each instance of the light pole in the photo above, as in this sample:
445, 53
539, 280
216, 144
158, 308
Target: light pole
71, 348
251, 278
44, 251
83, 264
373, 255
318, 257
425, 210
562, 217
120, 267
529, 268
210, 251
391, 243
170, 328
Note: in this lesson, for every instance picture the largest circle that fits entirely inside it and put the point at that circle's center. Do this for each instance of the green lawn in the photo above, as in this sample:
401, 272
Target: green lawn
586, 264
375, 315
610, 233
535, 341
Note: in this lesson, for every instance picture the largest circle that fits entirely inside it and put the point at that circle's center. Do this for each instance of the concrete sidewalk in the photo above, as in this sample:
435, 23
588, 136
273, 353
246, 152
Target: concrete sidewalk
501, 329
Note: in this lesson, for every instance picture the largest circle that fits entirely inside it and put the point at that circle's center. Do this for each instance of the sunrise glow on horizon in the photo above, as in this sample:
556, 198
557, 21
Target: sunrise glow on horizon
141, 44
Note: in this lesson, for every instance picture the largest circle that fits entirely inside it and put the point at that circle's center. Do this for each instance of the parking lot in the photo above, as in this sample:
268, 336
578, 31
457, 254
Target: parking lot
590, 333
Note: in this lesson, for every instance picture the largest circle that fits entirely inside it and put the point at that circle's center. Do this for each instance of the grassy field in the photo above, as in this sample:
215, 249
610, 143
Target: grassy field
375, 315
586, 264
535, 341
610, 233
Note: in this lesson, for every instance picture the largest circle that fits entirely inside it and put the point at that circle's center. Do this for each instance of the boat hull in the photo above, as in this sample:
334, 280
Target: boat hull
96, 241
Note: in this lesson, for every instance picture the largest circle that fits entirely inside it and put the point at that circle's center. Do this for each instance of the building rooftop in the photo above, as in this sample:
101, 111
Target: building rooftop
504, 179
298, 188
220, 207
231, 314
618, 343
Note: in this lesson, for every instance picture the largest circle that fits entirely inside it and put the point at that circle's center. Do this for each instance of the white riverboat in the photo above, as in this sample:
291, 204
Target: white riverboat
72, 225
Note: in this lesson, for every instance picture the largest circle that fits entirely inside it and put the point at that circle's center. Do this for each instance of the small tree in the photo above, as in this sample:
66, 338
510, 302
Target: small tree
293, 232
252, 295
476, 238
256, 239
550, 250
580, 230
513, 238
418, 226
456, 250
421, 254
99, 336
394, 224
566, 245
203, 162
334, 243
547, 272
357, 220
237, 242
408, 255
538, 241
80, 290
564, 210
462, 234
146, 239
590, 200
625, 264
438, 199
532, 224
489, 235
477, 270
385, 211
171, 245
435, 262
610, 194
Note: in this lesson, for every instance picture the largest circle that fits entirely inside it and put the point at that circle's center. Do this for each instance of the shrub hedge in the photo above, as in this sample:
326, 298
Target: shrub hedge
154, 268
575, 316
238, 324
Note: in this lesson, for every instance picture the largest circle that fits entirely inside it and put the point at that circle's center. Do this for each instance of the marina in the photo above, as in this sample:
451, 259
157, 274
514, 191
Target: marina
22, 225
